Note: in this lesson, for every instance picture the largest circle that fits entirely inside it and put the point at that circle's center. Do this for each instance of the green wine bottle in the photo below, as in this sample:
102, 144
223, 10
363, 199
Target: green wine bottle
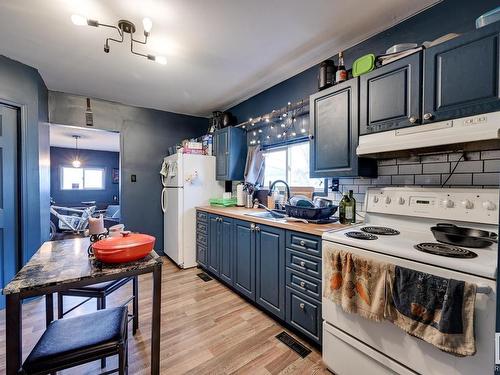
353, 201
343, 204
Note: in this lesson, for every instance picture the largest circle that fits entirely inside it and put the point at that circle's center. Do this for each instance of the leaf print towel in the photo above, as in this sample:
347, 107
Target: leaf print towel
357, 284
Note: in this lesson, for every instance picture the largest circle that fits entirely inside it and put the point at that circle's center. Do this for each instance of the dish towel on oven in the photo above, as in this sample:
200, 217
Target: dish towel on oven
437, 310
355, 283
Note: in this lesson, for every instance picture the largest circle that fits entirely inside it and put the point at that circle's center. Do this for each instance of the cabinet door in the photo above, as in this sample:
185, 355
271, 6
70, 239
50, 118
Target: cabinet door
213, 244
270, 269
389, 97
244, 259
461, 76
221, 154
226, 250
334, 128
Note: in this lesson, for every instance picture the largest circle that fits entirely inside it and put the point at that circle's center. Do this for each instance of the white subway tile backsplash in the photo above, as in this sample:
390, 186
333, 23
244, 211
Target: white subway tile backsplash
492, 165
434, 158
381, 180
458, 179
410, 169
492, 154
432, 168
468, 156
362, 181
428, 179
409, 160
403, 180
486, 179
387, 162
475, 166
388, 170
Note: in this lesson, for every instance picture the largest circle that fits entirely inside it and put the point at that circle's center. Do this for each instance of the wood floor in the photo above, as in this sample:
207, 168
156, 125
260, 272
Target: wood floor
205, 329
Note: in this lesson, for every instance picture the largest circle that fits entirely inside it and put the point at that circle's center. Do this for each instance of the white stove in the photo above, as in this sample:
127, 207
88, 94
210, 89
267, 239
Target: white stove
410, 213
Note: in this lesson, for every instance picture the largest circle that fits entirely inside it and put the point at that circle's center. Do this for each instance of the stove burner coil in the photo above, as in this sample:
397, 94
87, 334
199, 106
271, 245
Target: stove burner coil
383, 231
445, 250
361, 235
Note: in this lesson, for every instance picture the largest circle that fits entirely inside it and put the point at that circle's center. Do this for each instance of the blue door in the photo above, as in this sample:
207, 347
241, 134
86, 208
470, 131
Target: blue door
226, 250
9, 251
213, 247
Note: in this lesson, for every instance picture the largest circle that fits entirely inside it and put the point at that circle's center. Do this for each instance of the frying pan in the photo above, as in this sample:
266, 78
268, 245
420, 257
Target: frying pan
463, 236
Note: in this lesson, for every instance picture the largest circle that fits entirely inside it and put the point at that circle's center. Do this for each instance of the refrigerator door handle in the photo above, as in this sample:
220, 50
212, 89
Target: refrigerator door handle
163, 205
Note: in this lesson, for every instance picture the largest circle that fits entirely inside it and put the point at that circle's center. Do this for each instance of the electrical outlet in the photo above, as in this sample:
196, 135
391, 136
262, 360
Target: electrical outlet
133, 178
335, 184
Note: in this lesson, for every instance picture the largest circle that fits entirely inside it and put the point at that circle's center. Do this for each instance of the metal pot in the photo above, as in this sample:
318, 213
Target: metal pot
463, 236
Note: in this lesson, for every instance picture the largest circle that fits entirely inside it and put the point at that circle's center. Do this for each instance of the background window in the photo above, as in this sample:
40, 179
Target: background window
82, 178
291, 163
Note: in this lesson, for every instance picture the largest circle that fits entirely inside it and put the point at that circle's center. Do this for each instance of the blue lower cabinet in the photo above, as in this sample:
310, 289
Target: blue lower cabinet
307, 285
213, 247
226, 250
244, 259
304, 314
270, 269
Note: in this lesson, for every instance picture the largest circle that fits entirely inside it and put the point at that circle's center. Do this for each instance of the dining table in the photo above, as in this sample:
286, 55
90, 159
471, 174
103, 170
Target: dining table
62, 265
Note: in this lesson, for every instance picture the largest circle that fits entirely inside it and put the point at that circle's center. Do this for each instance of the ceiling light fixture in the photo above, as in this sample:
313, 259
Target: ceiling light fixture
123, 27
76, 163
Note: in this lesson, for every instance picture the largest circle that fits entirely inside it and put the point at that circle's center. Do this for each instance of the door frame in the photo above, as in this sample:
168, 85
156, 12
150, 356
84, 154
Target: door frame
22, 173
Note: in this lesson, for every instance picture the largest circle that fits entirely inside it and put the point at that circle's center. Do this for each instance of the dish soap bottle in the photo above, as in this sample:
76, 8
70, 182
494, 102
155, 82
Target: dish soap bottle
345, 210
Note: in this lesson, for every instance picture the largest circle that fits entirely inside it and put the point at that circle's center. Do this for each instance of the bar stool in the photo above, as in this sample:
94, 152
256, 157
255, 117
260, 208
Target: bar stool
100, 292
74, 341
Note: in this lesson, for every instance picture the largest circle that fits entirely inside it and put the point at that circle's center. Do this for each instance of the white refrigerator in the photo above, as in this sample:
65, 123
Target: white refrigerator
188, 181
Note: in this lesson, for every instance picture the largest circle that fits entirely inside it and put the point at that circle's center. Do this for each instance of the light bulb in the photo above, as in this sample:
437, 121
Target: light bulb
283, 125
254, 133
294, 134
302, 130
147, 24
260, 130
76, 163
162, 60
267, 120
79, 20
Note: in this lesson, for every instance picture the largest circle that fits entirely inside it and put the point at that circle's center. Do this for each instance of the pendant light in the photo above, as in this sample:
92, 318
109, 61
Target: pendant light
76, 163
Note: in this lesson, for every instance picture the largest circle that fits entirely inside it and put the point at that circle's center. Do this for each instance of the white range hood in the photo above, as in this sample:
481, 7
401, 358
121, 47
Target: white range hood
463, 130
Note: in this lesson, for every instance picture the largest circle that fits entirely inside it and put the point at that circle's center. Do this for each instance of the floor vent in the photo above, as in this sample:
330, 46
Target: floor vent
204, 276
293, 344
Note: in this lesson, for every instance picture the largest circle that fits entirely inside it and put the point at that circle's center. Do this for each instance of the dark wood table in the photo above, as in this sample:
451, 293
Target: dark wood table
61, 265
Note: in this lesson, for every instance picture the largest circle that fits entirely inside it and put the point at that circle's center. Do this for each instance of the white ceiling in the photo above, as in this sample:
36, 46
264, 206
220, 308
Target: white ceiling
90, 139
219, 52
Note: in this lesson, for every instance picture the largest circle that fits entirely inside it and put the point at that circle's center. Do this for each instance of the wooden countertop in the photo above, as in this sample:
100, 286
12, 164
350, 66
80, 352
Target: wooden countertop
240, 213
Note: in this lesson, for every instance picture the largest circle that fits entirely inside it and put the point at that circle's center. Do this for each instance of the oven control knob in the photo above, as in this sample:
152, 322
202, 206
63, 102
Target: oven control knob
387, 200
489, 205
401, 200
375, 199
467, 204
448, 203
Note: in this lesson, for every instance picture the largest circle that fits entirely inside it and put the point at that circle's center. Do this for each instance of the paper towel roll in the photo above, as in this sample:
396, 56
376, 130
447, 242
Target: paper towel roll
241, 195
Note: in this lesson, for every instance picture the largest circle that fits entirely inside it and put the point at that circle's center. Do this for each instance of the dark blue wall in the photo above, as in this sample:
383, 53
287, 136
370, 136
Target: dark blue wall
60, 157
145, 136
22, 86
448, 16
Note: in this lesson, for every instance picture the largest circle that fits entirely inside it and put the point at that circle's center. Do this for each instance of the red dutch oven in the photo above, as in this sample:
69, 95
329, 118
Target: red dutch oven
126, 248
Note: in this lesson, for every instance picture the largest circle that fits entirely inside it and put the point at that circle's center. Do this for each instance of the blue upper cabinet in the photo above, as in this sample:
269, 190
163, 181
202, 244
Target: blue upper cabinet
461, 76
390, 96
334, 130
231, 152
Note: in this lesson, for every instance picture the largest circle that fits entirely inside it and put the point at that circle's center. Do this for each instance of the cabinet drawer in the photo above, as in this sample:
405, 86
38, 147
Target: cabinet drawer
304, 242
304, 314
304, 263
303, 283
201, 238
201, 255
201, 227
202, 216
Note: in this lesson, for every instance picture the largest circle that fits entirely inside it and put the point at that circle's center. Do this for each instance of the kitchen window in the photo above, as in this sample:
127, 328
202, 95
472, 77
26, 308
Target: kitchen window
82, 178
291, 164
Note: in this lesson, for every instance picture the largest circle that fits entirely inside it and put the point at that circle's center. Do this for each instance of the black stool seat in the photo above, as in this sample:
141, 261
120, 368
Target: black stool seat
73, 341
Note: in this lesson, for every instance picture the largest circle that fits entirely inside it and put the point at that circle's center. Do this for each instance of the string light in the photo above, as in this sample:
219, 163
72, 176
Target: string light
267, 119
302, 130
279, 135
260, 130
254, 132
294, 134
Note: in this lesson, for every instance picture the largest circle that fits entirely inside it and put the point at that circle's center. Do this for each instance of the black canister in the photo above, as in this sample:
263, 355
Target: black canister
326, 74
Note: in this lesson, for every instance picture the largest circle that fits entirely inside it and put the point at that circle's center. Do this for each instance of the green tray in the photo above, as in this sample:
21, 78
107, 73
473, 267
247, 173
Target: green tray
220, 202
